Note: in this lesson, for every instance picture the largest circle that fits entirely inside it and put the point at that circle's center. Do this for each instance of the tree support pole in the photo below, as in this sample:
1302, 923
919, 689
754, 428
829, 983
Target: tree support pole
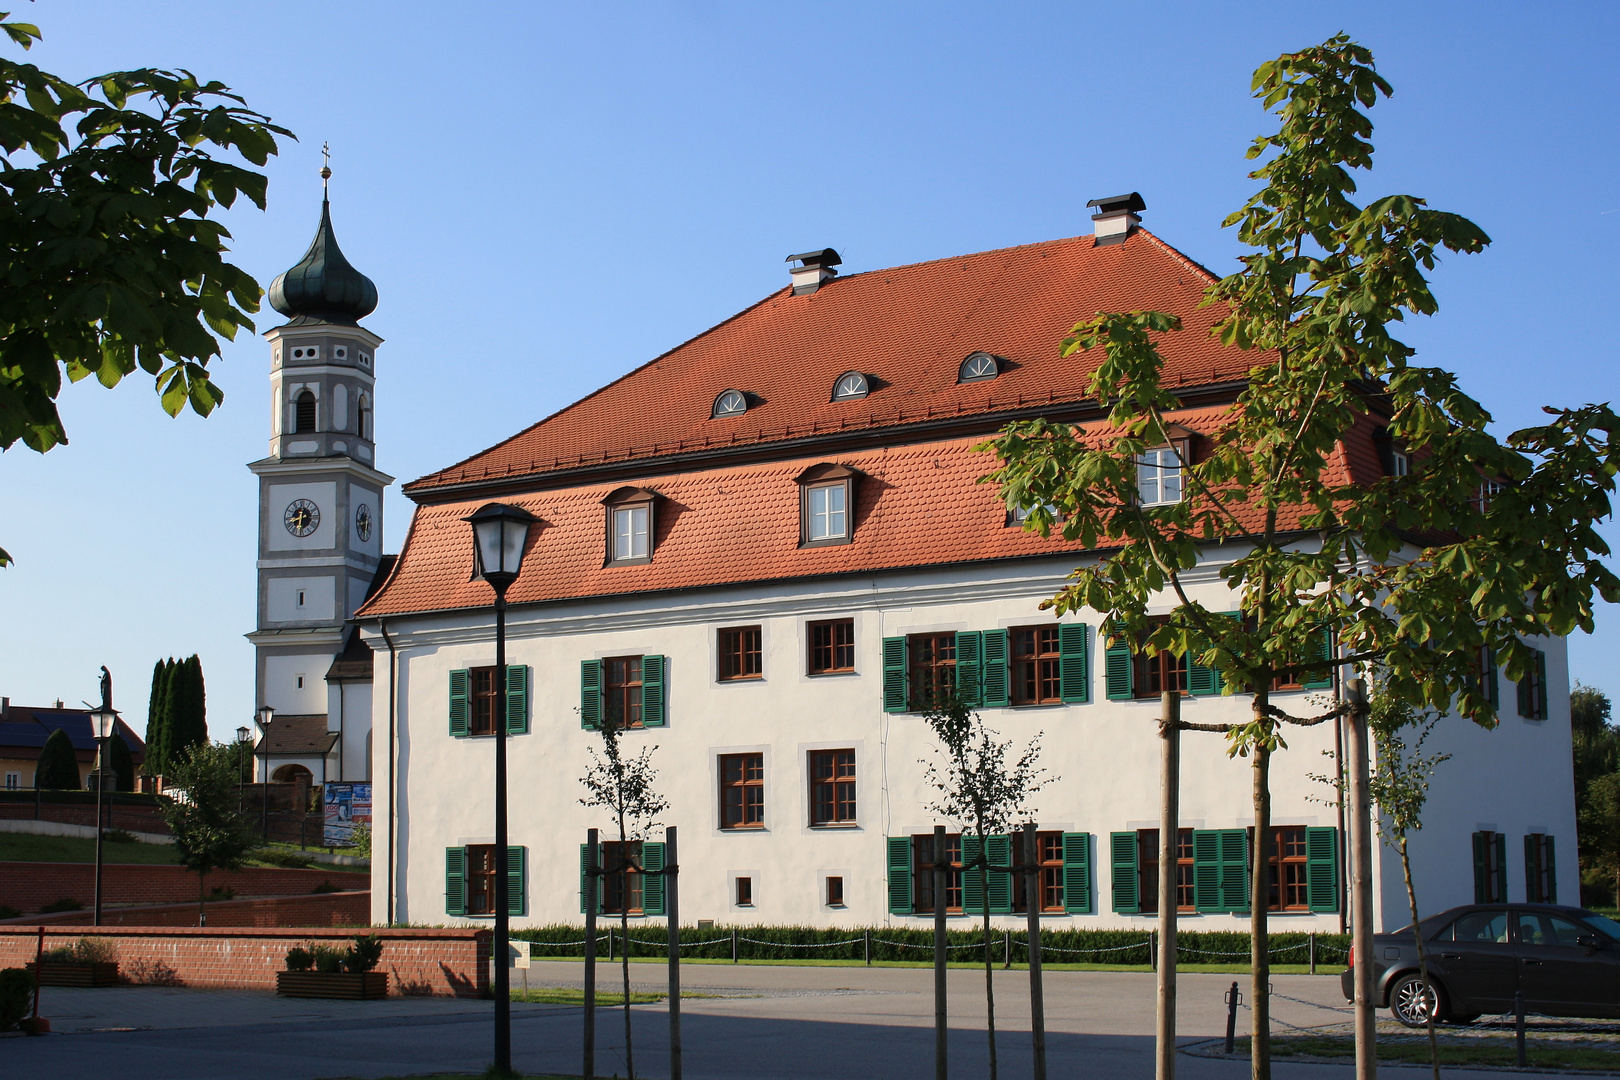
1361, 911
1032, 905
1169, 818
672, 892
589, 901
940, 1069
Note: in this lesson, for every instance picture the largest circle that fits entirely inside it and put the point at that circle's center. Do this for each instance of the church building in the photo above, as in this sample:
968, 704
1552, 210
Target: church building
765, 552
320, 522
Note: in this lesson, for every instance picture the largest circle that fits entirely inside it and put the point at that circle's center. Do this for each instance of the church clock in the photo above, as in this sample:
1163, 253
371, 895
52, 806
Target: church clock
302, 517
362, 523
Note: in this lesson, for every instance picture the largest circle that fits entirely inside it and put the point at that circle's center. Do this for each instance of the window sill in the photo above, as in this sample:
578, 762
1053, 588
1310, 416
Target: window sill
740, 679
728, 830
832, 541
834, 826
833, 674
642, 561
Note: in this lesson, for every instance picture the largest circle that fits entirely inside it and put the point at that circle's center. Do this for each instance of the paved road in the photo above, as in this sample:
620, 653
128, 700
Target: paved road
816, 1023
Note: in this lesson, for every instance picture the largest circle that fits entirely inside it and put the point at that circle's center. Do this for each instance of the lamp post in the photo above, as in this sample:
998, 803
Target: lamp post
500, 533
266, 714
104, 721
242, 752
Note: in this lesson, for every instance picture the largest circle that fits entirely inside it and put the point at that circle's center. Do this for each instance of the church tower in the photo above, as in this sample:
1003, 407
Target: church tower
320, 510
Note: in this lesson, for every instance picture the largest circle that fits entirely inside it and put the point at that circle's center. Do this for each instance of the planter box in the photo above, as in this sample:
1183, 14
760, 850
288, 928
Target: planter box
56, 974
335, 984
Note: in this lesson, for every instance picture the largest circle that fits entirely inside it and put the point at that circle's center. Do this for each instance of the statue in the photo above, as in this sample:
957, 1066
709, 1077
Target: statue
106, 688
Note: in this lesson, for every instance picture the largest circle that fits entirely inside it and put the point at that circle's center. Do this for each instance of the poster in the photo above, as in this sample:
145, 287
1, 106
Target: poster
347, 805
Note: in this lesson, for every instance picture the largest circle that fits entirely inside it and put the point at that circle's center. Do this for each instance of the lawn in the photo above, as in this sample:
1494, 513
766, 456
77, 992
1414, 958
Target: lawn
562, 995
1212, 969
1488, 1053
29, 847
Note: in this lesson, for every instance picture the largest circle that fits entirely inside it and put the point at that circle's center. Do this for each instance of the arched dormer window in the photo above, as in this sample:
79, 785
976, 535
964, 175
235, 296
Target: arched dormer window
304, 412
729, 403
630, 526
851, 386
978, 367
826, 505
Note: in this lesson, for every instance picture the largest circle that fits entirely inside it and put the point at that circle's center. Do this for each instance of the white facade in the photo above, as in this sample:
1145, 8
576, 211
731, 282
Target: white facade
439, 791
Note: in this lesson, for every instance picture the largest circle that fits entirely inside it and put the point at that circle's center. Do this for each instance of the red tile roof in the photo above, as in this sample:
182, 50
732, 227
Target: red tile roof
909, 326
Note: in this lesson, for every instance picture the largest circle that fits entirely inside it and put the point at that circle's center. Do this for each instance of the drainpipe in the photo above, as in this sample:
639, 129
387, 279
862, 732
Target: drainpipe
342, 773
382, 628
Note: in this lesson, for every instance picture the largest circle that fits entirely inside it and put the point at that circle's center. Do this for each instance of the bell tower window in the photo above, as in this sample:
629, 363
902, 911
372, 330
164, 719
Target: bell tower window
363, 427
304, 412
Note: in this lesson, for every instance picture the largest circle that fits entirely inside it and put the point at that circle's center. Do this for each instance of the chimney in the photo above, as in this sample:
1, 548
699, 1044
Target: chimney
5, 708
814, 268
1115, 217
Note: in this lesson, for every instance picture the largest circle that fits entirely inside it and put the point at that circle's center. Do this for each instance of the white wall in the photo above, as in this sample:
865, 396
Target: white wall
301, 599
281, 676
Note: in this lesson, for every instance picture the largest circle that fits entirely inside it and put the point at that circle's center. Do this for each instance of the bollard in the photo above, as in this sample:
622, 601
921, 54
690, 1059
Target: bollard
1313, 952
1518, 1026
610, 944
1233, 999
1153, 949
869, 948
1006, 949
734, 946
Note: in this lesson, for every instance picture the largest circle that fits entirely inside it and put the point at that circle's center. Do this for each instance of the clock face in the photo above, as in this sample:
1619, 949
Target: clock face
362, 522
302, 517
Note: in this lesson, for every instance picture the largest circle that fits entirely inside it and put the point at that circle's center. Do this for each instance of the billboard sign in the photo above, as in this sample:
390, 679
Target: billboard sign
347, 805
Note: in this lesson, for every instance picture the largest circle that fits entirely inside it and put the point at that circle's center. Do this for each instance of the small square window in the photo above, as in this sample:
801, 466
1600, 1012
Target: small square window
832, 647
745, 892
339, 352
740, 653
835, 892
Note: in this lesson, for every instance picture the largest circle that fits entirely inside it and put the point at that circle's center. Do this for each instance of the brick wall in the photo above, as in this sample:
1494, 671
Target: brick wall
147, 819
322, 909
29, 886
447, 962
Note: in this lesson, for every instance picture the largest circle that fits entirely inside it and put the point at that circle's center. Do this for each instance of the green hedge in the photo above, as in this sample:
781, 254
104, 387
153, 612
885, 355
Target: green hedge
916, 943
82, 798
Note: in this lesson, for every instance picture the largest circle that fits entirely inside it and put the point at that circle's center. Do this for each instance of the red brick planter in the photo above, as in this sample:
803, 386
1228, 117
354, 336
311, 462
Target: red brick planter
57, 974
354, 986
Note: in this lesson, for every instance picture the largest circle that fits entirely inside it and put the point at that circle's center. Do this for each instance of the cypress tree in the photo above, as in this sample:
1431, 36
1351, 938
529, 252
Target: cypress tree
121, 762
58, 767
188, 719
167, 754
155, 718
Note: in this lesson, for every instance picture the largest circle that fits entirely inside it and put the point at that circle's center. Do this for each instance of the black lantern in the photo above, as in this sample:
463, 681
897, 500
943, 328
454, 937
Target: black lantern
500, 533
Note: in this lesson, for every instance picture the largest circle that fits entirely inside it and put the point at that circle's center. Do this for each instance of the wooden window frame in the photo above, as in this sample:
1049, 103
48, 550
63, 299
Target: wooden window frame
629, 499
627, 691
832, 648
485, 700
922, 874
835, 891
736, 660
1049, 857
1541, 872
826, 475
481, 866
622, 878
837, 784
1147, 845
745, 891
1280, 864
1046, 666
926, 677
1181, 448
744, 785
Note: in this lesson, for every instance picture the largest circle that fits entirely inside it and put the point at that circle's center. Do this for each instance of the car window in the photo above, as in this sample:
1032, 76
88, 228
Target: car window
1539, 928
1605, 924
1481, 926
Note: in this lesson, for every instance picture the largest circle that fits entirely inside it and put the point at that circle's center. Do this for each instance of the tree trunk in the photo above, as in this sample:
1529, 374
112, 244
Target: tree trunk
989, 978
202, 877
1259, 891
624, 951
1423, 956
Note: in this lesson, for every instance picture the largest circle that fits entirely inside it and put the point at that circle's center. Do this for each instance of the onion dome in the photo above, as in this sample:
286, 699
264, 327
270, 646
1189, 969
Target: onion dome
323, 287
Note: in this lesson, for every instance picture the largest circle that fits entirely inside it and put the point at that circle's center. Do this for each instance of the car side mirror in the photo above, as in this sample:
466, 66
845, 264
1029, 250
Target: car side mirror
1589, 941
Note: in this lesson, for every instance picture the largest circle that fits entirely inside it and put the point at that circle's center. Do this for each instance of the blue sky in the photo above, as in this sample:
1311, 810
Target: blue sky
550, 194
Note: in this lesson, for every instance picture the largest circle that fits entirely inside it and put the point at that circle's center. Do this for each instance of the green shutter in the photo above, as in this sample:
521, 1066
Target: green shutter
1489, 678
1551, 863
590, 695
894, 675
1207, 869
460, 701
517, 875
1323, 651
972, 877
1202, 681
969, 666
1077, 873
1118, 663
1532, 886
899, 875
994, 677
455, 881
584, 876
998, 885
1074, 667
1541, 687
517, 699
1482, 872
652, 883
1322, 868
654, 708
1501, 870
1526, 704
1126, 879
1234, 869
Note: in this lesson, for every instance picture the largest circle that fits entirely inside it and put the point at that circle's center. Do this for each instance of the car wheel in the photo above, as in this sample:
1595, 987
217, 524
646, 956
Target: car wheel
1412, 1004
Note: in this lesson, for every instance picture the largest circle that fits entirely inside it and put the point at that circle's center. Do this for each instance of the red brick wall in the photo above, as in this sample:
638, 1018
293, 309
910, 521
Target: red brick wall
144, 819
322, 909
29, 886
451, 963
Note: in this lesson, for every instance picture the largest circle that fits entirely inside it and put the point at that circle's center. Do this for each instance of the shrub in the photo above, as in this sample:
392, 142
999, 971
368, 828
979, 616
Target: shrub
364, 955
360, 840
221, 893
16, 996
87, 950
329, 960
292, 860
325, 887
64, 904
299, 959
120, 836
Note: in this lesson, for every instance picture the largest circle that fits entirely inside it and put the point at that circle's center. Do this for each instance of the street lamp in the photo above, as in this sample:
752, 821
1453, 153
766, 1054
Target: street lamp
500, 533
265, 715
242, 751
103, 722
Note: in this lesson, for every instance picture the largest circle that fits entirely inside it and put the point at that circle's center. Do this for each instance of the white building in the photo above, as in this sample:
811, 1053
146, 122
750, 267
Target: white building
763, 547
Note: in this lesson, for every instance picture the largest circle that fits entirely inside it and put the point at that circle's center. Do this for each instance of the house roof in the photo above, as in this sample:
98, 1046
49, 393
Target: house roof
24, 730
296, 735
353, 664
908, 327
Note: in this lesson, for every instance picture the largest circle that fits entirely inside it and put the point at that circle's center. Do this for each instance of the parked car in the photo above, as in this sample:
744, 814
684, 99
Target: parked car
1565, 960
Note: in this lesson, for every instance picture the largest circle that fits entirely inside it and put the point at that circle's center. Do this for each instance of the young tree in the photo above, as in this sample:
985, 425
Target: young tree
1596, 753
1420, 571
1598, 816
625, 788
110, 259
157, 716
58, 766
985, 792
210, 830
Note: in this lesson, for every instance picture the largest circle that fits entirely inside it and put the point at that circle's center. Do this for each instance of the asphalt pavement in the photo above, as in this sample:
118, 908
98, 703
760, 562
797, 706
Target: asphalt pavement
814, 1023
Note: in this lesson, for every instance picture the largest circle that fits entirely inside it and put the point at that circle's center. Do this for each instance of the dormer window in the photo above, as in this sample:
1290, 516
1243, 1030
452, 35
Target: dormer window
979, 367
1158, 476
851, 386
630, 522
826, 505
730, 403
